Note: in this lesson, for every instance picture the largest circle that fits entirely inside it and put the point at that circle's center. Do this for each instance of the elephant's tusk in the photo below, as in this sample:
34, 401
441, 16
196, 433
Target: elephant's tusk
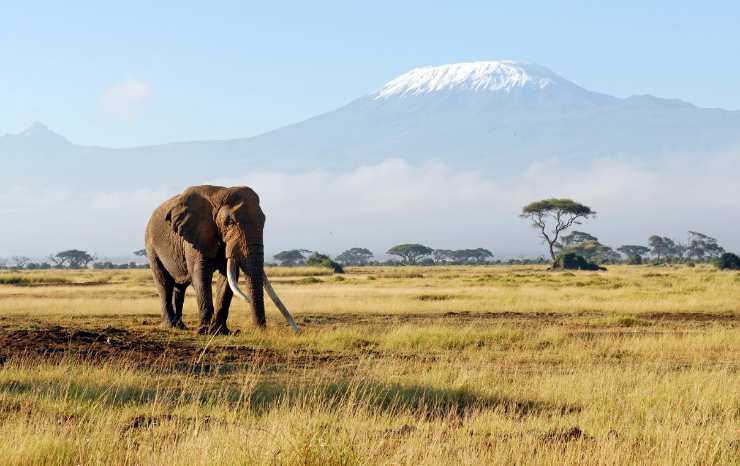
232, 275
279, 304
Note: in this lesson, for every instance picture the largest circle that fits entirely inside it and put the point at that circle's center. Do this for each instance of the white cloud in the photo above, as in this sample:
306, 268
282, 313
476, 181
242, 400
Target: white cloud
395, 201
125, 99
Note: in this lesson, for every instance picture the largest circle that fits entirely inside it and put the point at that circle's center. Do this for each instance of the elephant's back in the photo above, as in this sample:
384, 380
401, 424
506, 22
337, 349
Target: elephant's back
163, 244
157, 222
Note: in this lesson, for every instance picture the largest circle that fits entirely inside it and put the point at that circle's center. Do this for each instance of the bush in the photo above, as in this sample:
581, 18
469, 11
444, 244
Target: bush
635, 260
321, 260
728, 261
572, 261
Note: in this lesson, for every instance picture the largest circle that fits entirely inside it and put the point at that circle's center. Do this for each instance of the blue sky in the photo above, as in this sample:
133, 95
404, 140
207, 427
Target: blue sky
134, 73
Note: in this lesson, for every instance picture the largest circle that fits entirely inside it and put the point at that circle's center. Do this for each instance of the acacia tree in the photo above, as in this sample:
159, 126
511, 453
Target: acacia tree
292, 257
72, 259
140, 252
462, 256
587, 246
575, 238
355, 256
663, 247
702, 247
553, 216
593, 251
410, 253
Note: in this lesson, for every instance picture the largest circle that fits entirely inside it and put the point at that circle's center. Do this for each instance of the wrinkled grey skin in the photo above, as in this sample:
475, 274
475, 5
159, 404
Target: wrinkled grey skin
190, 236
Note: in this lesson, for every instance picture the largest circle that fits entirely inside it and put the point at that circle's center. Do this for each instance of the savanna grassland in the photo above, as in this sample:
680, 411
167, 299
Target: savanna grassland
438, 365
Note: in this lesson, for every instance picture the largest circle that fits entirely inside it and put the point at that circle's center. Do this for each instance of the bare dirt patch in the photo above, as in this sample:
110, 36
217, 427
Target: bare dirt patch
152, 348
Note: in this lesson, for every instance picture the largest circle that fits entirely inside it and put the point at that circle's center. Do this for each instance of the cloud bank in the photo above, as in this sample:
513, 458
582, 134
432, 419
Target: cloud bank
377, 206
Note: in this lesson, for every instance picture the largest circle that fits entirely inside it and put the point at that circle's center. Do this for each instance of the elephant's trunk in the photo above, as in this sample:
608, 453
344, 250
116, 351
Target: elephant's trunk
253, 267
257, 279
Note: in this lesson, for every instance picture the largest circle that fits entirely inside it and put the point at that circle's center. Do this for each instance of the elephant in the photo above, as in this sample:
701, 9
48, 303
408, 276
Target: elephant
202, 230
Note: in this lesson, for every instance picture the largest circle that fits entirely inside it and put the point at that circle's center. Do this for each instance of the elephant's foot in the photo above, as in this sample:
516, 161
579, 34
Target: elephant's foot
179, 325
214, 329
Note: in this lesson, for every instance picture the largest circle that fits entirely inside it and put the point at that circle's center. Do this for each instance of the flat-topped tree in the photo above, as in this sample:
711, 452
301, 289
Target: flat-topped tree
72, 259
462, 256
575, 238
292, 257
355, 256
553, 216
702, 247
410, 253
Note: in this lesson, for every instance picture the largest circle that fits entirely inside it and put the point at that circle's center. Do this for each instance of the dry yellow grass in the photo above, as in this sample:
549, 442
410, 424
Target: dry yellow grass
457, 365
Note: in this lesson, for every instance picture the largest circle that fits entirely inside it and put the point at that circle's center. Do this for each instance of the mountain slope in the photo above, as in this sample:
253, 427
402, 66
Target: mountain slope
495, 116
499, 116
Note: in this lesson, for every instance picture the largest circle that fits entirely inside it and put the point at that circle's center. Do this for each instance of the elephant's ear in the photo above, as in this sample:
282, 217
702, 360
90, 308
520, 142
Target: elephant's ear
192, 219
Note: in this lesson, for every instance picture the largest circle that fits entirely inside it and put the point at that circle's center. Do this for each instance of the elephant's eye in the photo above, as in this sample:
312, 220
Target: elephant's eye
229, 220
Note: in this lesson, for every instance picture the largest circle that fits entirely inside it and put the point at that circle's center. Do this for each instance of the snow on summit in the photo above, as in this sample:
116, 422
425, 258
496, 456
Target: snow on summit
477, 76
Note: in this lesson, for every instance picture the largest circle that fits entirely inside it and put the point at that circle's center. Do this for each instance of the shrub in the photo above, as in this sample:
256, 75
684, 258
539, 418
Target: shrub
635, 260
728, 261
321, 260
571, 261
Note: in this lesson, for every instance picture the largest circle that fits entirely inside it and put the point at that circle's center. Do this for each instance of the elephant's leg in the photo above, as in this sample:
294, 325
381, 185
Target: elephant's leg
165, 286
178, 299
223, 301
202, 277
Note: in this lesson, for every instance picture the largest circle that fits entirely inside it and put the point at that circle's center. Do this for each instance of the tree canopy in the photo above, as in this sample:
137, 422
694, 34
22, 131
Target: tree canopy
72, 259
575, 238
355, 256
553, 216
664, 248
292, 257
702, 247
462, 256
410, 253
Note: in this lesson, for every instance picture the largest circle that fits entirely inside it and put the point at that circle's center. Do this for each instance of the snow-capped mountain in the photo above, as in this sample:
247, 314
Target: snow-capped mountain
491, 76
498, 116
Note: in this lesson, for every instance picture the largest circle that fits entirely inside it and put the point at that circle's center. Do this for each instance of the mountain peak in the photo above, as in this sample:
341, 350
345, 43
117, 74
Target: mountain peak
498, 76
39, 131
36, 128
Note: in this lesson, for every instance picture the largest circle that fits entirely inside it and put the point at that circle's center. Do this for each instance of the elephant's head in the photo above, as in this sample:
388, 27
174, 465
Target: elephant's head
211, 218
240, 224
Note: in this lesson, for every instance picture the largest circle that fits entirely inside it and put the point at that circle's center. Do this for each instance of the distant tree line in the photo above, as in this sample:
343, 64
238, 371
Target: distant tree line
552, 217
659, 250
69, 259
403, 254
